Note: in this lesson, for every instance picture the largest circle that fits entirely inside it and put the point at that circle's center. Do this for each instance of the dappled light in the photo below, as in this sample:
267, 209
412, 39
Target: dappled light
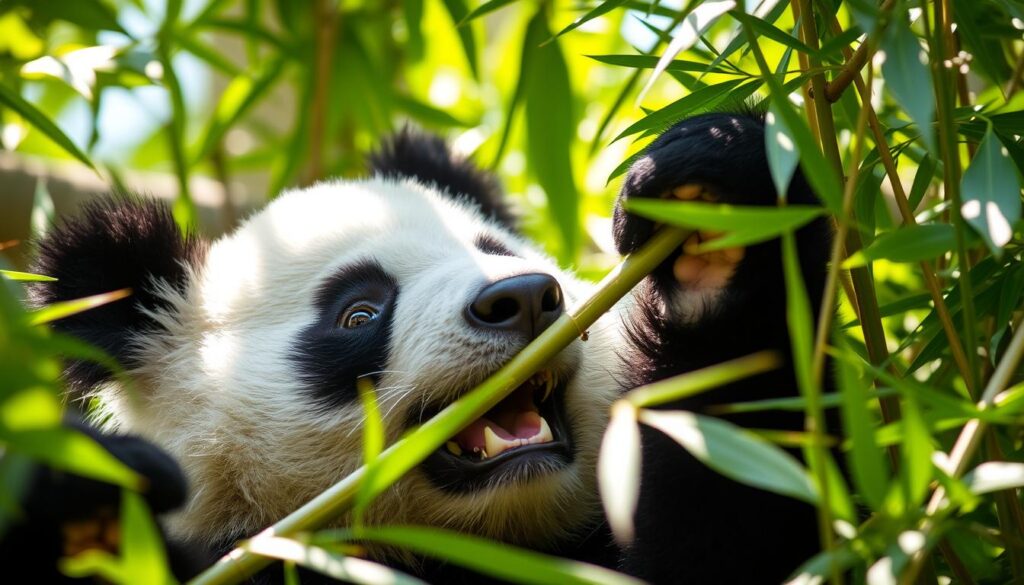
537, 291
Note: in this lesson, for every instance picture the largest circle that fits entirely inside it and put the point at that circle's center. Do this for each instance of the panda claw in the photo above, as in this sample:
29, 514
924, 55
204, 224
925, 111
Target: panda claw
687, 192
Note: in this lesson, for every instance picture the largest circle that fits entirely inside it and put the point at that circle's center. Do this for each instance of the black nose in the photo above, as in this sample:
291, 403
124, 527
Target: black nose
525, 304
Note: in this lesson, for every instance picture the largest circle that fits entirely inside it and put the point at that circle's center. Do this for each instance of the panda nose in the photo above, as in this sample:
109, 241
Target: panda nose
526, 304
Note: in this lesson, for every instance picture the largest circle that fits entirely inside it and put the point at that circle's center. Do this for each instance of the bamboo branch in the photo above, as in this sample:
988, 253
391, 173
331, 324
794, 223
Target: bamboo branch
854, 63
930, 278
325, 25
940, 44
967, 443
1015, 77
408, 452
870, 317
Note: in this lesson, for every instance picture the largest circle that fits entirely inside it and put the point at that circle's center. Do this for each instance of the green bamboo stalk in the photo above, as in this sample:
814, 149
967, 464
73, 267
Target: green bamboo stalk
942, 43
950, 150
408, 452
966, 445
863, 282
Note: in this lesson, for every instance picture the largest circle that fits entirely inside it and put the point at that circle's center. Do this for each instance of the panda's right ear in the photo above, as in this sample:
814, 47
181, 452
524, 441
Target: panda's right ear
428, 159
114, 243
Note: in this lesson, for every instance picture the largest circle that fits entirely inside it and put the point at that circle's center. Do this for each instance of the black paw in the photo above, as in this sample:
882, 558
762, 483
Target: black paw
62, 514
717, 157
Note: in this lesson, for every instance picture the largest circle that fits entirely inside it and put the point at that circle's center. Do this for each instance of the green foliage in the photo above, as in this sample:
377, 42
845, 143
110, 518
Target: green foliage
924, 174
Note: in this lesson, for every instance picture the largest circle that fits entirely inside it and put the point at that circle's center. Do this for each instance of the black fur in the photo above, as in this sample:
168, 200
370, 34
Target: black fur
55, 498
115, 243
428, 159
694, 525
328, 357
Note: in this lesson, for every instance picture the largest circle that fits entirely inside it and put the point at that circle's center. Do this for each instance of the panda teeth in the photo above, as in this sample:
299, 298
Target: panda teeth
495, 445
549, 387
545, 380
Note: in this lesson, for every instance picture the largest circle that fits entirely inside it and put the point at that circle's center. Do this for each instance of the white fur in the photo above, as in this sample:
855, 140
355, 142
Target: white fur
221, 395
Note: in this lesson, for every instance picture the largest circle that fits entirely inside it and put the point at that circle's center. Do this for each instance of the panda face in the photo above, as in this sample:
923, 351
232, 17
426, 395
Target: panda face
395, 283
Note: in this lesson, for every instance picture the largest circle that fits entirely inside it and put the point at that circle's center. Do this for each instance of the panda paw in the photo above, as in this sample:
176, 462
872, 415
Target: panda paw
697, 269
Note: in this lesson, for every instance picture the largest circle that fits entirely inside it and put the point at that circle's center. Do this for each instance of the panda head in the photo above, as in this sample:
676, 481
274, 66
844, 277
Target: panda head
245, 353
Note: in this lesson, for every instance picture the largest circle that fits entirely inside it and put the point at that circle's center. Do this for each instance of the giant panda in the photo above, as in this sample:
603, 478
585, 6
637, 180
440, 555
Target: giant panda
244, 355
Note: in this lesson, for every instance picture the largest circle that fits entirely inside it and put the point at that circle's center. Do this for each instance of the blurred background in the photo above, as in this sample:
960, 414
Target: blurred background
218, 105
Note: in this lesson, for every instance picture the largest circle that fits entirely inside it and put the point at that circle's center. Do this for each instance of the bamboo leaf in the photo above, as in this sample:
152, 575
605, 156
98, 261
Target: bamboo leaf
691, 383
907, 244
705, 97
973, 19
94, 562
922, 179
325, 562
618, 470
916, 452
428, 114
991, 194
493, 558
780, 149
994, 476
64, 309
42, 209
142, 546
600, 9
734, 452
649, 62
905, 70
240, 94
70, 450
816, 168
41, 122
485, 8
746, 224
459, 13
866, 457
26, 276
89, 14
550, 128
693, 26
778, 35
373, 443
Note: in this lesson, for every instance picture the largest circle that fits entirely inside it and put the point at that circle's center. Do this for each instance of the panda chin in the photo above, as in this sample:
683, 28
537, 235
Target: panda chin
523, 437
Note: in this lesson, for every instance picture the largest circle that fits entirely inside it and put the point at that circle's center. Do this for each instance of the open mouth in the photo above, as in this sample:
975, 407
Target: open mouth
522, 437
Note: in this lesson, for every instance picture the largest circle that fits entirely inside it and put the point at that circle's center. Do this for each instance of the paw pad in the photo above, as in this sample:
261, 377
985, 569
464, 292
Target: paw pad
698, 269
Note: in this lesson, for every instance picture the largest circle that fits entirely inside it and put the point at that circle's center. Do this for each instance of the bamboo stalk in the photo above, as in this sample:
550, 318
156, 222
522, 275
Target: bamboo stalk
863, 283
940, 43
967, 443
417, 445
900, 194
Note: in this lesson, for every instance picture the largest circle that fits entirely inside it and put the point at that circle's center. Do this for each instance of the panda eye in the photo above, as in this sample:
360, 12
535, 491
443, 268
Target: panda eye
358, 316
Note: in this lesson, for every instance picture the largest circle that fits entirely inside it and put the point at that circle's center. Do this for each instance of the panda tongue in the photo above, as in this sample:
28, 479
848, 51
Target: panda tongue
514, 421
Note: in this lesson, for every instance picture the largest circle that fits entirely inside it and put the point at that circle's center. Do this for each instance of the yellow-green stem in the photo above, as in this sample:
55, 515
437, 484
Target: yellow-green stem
944, 91
863, 283
408, 452
931, 280
967, 444
811, 390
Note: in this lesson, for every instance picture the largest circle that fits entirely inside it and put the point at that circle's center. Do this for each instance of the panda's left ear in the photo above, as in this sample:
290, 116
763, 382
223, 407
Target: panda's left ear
428, 159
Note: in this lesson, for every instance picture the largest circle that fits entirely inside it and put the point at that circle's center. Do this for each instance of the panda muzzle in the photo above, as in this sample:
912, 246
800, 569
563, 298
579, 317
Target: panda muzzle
523, 436
514, 422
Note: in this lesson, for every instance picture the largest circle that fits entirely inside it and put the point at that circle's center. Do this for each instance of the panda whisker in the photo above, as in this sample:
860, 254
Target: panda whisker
377, 372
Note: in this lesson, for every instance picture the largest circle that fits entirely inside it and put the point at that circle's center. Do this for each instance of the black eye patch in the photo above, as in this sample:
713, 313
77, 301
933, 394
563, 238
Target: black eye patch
488, 244
328, 358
